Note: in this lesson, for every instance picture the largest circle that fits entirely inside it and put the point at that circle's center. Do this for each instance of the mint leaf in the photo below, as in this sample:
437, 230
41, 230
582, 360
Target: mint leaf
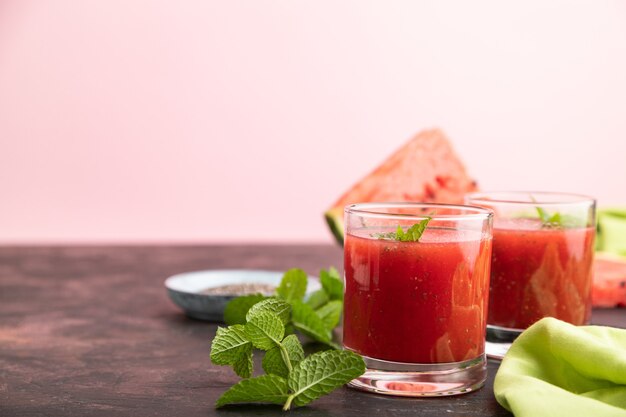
273, 305
413, 233
543, 215
332, 283
308, 322
317, 298
263, 389
232, 347
293, 285
265, 330
227, 344
243, 365
330, 313
236, 309
555, 220
274, 361
321, 373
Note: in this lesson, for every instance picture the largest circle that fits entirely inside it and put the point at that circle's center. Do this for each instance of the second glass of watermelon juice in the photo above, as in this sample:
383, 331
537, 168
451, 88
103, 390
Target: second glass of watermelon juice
542, 261
416, 305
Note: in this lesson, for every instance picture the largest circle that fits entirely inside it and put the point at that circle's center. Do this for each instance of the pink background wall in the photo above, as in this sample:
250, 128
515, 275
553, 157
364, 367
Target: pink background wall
151, 121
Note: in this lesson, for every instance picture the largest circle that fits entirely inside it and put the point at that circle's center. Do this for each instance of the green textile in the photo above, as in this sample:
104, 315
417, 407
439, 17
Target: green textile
612, 230
557, 369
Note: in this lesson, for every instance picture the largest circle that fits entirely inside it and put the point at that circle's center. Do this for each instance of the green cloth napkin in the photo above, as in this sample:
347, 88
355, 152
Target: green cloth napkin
612, 230
557, 369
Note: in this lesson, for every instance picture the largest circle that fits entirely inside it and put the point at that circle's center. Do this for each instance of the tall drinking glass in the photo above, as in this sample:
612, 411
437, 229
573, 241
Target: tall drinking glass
542, 259
416, 306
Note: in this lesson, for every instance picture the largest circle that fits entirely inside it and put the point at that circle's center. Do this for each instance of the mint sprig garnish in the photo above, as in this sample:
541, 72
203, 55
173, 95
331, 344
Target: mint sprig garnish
543, 214
549, 221
412, 234
291, 378
557, 220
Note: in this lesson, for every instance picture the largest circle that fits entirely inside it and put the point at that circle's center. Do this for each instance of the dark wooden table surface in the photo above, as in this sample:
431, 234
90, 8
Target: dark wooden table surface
89, 331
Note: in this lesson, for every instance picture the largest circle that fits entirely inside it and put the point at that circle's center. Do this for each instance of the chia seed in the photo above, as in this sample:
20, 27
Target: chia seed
241, 289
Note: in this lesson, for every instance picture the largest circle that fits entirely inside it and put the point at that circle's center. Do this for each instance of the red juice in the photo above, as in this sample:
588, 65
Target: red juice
540, 272
417, 302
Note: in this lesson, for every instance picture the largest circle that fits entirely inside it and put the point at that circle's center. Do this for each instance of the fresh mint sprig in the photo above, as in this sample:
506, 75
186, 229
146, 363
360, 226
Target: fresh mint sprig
315, 316
412, 234
557, 220
291, 378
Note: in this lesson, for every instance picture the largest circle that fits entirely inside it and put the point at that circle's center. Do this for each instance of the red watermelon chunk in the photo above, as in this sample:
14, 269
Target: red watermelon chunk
609, 281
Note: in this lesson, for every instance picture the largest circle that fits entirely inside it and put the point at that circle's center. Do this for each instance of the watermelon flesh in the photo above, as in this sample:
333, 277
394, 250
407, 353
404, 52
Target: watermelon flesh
425, 169
609, 281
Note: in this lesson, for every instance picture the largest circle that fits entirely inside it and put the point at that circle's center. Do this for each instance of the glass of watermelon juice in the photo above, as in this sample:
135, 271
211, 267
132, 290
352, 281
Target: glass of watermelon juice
542, 259
417, 285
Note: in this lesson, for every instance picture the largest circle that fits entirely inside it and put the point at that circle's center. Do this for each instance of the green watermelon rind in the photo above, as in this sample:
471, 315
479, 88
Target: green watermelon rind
334, 218
611, 233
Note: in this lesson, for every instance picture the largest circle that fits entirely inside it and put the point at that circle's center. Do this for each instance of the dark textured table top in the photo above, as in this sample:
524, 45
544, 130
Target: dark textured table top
89, 331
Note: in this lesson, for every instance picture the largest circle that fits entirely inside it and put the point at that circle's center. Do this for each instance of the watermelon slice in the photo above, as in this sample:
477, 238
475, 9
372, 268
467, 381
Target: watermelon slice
609, 281
425, 169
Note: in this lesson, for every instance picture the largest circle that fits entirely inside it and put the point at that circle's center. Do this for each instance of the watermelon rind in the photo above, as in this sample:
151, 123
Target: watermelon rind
611, 235
334, 218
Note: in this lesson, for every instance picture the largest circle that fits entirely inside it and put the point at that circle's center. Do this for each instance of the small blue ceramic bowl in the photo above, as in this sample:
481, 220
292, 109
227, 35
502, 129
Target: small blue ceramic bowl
186, 290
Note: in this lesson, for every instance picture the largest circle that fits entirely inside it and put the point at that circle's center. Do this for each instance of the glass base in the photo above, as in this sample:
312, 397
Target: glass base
499, 340
421, 380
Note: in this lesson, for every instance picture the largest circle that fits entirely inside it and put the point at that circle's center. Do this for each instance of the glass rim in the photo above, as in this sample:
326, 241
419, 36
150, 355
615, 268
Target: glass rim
366, 209
495, 197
